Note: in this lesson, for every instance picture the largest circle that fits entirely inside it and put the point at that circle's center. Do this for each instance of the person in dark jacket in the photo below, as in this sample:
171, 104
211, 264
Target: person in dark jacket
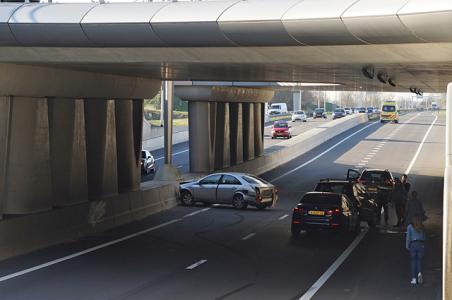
405, 183
414, 207
399, 198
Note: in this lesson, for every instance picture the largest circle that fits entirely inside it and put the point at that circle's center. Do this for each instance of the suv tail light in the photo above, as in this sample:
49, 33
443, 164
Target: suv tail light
298, 210
333, 212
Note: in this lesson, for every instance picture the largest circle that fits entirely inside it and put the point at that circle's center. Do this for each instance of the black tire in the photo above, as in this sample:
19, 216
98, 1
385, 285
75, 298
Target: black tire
304, 120
396, 121
186, 198
238, 202
381, 121
261, 206
295, 229
273, 137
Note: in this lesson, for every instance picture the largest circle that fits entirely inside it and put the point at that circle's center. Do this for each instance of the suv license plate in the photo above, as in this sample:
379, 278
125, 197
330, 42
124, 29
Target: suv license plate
316, 212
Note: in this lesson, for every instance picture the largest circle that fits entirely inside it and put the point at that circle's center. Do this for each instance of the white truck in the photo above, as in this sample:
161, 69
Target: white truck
277, 109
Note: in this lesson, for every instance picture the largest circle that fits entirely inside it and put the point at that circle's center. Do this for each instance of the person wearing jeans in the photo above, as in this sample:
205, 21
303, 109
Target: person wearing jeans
415, 243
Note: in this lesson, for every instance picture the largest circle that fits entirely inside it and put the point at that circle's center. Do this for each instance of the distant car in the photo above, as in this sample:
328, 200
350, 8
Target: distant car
238, 189
277, 109
357, 193
362, 110
339, 113
348, 110
325, 211
319, 113
379, 183
147, 162
370, 110
299, 115
281, 129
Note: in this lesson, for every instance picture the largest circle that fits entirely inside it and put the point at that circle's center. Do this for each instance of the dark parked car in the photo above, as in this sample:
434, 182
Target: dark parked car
147, 162
379, 183
325, 211
357, 193
319, 113
362, 110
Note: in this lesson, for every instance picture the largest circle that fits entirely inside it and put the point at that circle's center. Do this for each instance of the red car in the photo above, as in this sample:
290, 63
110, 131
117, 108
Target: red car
281, 129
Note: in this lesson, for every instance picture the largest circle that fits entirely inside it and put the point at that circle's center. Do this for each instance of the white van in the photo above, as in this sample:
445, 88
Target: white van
277, 109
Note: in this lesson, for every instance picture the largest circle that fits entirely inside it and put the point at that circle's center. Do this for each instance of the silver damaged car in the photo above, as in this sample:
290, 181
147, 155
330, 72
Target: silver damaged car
238, 189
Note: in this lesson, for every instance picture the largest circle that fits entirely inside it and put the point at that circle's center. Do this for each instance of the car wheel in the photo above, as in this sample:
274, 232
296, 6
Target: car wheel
261, 206
295, 229
187, 198
396, 121
304, 120
238, 202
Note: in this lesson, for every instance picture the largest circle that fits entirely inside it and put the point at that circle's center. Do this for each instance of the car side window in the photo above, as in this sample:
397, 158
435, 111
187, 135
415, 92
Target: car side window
212, 179
228, 179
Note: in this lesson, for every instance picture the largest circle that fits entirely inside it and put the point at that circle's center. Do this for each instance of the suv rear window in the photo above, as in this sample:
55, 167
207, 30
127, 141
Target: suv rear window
337, 188
388, 108
377, 176
321, 199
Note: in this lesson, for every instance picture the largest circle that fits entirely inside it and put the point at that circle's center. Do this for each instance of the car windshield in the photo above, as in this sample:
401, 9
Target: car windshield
281, 125
339, 110
388, 108
321, 199
276, 107
319, 110
254, 180
377, 176
299, 112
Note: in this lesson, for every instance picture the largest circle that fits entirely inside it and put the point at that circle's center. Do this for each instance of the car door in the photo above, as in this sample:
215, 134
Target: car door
353, 174
206, 189
226, 189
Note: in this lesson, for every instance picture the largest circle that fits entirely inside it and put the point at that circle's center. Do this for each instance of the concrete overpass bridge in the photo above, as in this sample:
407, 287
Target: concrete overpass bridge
73, 76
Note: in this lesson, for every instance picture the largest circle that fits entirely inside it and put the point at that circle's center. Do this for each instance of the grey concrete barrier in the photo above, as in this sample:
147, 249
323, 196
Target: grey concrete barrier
299, 145
23, 234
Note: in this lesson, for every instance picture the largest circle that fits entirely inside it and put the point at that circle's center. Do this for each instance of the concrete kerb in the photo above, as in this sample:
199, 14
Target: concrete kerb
299, 145
24, 234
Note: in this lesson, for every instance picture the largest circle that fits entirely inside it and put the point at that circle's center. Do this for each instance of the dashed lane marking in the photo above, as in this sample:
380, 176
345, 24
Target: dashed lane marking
283, 217
196, 264
247, 237
196, 212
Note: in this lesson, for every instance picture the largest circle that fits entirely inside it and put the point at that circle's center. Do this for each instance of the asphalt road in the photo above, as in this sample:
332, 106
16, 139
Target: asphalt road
181, 151
221, 253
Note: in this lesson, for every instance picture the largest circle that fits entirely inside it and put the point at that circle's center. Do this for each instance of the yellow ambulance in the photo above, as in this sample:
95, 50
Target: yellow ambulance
389, 112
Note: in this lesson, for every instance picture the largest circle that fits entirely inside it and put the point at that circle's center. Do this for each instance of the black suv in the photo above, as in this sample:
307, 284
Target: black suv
356, 192
319, 113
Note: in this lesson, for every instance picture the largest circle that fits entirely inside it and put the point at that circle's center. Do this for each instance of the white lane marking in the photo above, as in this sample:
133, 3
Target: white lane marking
361, 164
174, 154
408, 170
196, 212
321, 281
364, 160
196, 264
92, 249
369, 156
283, 217
323, 153
373, 152
247, 237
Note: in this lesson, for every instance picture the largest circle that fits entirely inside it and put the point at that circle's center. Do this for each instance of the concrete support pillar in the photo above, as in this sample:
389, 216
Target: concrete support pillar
297, 100
68, 151
200, 136
168, 120
27, 186
447, 220
129, 126
5, 114
236, 132
248, 131
222, 136
258, 130
101, 148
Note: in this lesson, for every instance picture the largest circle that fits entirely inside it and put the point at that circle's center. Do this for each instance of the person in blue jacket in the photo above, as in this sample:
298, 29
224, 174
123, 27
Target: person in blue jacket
415, 243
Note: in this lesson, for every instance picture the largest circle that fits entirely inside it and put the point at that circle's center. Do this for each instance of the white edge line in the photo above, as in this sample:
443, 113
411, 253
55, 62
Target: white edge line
174, 154
196, 264
196, 212
247, 237
92, 249
408, 170
325, 276
323, 153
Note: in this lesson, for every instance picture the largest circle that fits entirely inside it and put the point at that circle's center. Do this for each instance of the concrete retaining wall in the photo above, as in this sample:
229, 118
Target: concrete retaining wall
299, 145
24, 234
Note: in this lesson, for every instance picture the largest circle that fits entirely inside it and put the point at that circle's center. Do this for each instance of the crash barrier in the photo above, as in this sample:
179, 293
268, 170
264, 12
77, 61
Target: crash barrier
299, 145
24, 234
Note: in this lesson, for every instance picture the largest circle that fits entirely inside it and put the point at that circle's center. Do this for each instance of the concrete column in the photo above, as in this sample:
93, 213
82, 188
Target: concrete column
129, 126
248, 131
297, 100
168, 121
28, 177
200, 136
101, 148
5, 114
258, 130
222, 136
447, 221
68, 151
236, 132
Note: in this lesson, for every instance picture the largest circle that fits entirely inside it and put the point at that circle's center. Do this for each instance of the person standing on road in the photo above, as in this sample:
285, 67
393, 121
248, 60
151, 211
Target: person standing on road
414, 207
415, 240
405, 183
399, 198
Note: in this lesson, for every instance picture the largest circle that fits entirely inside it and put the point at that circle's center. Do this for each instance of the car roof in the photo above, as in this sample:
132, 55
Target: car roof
335, 181
325, 194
